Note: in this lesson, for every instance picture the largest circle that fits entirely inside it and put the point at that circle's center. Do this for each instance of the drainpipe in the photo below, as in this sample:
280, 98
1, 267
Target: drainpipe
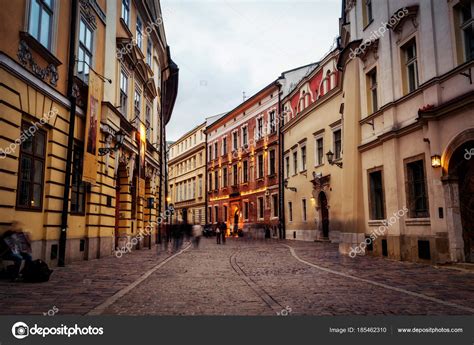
281, 172
70, 142
163, 145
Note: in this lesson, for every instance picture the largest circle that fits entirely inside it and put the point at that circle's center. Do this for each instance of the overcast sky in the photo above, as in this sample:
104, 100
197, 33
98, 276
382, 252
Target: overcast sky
224, 47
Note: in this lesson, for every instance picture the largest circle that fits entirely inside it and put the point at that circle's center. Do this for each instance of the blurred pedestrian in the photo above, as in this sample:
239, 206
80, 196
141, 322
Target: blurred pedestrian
223, 228
197, 233
16, 246
218, 233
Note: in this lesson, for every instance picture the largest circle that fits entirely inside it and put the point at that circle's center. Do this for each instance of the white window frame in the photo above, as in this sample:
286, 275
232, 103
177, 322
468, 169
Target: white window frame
316, 158
304, 210
300, 149
260, 209
335, 129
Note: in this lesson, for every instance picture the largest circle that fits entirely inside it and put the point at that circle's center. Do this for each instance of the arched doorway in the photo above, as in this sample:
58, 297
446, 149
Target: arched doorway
461, 174
323, 205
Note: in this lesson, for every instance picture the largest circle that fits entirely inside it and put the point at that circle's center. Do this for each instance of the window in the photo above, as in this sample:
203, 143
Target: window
200, 187
149, 50
260, 166
210, 181
295, 162
466, 26
137, 102
272, 122
224, 177
368, 12
31, 170
319, 151
272, 167
245, 175
337, 144
78, 187
225, 213
259, 133
376, 201
275, 205
372, 91
410, 75
126, 11
303, 157
234, 175
216, 210
246, 210
290, 211
287, 166
209, 212
303, 209
148, 121
224, 146
216, 180
139, 33
244, 136
416, 189
234, 140
216, 154
260, 208
209, 158
123, 92
84, 51
41, 21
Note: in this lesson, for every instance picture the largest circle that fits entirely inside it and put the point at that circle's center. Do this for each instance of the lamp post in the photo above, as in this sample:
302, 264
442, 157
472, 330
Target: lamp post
293, 189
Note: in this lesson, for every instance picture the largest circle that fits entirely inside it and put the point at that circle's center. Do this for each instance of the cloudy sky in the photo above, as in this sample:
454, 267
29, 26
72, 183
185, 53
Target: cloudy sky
225, 47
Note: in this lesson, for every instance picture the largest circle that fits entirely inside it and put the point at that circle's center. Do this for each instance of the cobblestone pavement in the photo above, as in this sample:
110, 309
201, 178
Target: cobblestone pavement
246, 278
264, 278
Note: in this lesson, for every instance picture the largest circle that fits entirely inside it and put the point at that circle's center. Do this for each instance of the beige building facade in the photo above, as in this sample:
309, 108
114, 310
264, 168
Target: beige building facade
313, 193
187, 177
408, 129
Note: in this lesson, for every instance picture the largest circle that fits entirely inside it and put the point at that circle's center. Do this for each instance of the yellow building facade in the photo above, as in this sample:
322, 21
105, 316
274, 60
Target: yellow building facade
312, 127
115, 183
187, 176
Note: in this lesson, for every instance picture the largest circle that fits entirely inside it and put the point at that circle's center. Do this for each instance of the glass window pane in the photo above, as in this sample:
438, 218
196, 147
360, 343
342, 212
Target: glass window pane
27, 145
39, 144
24, 193
88, 39
36, 199
38, 178
25, 170
49, 3
45, 28
34, 19
82, 32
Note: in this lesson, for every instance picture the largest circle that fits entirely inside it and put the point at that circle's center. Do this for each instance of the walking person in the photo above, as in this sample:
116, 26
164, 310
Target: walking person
16, 246
197, 233
218, 233
223, 227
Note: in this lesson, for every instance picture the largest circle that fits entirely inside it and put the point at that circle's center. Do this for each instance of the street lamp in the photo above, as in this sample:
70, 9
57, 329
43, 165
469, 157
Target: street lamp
331, 161
119, 139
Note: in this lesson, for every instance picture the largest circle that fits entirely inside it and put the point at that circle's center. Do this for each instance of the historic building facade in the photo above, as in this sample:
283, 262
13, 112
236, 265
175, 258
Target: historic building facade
242, 155
187, 176
312, 130
88, 102
408, 129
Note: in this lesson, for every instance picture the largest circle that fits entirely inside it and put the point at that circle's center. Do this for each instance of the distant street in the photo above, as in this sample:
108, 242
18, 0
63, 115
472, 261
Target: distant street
245, 278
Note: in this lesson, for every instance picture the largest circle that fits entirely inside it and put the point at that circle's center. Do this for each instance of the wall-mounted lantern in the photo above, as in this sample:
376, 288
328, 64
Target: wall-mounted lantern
293, 189
119, 139
436, 161
331, 161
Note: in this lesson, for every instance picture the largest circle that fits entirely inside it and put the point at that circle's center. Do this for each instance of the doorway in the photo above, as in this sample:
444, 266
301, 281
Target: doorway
323, 204
461, 168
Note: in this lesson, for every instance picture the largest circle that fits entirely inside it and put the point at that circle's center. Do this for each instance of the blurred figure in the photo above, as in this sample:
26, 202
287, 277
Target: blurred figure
15, 245
223, 228
218, 233
197, 233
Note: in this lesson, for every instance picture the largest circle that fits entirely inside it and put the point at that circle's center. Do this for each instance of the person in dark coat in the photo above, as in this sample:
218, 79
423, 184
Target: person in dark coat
223, 228
16, 246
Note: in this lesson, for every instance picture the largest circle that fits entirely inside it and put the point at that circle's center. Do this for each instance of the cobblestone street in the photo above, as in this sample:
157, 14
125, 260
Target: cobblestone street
245, 278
